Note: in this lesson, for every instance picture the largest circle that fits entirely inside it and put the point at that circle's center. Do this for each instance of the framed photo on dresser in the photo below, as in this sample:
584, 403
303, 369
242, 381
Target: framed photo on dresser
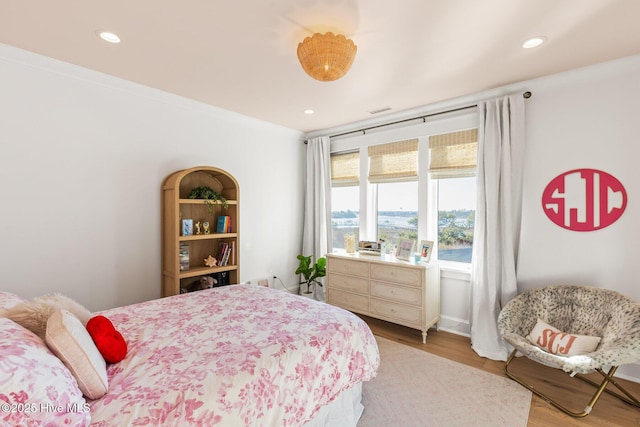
405, 249
426, 247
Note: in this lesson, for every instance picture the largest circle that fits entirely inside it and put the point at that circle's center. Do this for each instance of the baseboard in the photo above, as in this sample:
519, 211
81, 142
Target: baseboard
454, 326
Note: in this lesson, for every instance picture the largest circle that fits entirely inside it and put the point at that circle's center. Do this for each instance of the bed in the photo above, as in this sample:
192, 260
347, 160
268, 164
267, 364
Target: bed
240, 355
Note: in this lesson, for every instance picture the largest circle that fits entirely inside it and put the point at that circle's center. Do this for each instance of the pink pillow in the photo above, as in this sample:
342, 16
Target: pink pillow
554, 341
35, 384
8, 300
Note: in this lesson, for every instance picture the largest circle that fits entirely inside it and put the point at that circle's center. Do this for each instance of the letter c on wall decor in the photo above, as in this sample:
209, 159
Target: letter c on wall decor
584, 200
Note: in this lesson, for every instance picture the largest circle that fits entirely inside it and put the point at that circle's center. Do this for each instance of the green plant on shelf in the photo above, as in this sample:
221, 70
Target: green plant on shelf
209, 196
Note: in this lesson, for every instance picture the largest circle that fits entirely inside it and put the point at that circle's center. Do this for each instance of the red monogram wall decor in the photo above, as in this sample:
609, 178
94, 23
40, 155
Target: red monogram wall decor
584, 200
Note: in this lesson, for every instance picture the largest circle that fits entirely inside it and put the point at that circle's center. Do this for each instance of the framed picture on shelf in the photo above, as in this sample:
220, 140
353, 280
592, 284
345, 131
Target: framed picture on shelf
426, 247
405, 249
187, 227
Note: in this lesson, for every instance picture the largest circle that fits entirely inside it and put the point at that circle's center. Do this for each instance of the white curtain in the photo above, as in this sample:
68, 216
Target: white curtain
316, 235
498, 218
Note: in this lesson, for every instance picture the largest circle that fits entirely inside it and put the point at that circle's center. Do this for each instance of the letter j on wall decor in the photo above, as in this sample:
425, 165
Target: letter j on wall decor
584, 200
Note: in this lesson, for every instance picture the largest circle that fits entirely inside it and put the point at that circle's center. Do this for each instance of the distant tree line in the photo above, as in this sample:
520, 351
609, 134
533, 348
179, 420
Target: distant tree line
455, 227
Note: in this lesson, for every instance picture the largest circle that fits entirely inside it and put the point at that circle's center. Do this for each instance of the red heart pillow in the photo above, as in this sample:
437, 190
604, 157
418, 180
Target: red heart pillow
110, 342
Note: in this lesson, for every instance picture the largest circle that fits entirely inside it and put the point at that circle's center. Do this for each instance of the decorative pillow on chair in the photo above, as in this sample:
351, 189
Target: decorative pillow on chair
33, 315
69, 340
32, 377
554, 341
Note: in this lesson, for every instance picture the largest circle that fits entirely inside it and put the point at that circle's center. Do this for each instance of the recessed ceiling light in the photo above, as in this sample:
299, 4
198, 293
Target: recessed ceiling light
309, 111
534, 42
109, 36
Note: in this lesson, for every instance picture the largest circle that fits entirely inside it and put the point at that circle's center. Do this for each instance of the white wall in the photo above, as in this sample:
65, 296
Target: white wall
82, 159
586, 118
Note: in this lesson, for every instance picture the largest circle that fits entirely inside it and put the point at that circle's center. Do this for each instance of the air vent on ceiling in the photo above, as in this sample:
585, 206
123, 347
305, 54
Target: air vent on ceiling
380, 110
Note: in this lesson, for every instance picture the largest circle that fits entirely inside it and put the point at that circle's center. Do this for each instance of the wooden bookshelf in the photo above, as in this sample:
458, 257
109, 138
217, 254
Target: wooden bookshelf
177, 206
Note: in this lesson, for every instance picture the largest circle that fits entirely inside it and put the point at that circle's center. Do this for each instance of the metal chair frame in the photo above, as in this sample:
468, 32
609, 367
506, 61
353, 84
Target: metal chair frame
600, 388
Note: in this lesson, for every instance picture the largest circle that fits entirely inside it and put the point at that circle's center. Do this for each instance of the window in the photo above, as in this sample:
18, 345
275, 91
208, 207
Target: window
456, 218
393, 170
420, 187
345, 196
453, 164
397, 212
345, 214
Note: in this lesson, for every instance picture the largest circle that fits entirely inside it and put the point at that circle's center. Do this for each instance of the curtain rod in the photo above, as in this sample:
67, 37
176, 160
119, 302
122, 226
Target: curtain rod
525, 95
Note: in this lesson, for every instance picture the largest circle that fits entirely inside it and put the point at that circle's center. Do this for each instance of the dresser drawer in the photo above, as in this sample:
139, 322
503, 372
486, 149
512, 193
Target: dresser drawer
398, 312
359, 285
403, 294
355, 302
347, 266
406, 276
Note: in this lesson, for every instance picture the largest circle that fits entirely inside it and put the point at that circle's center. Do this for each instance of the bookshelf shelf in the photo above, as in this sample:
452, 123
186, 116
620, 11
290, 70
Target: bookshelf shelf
208, 236
195, 248
202, 202
203, 271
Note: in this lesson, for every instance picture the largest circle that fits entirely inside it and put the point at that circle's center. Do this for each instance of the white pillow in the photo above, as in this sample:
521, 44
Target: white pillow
69, 340
35, 380
33, 315
554, 341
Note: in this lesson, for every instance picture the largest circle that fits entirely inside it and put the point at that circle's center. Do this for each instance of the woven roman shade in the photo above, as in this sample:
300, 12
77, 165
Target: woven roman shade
393, 162
345, 169
453, 155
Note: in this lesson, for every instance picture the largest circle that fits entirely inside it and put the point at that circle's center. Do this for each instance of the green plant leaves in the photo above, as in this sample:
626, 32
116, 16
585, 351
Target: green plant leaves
210, 197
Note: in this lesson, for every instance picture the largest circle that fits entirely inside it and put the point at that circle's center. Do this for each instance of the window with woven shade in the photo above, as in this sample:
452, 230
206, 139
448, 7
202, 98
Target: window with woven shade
453, 155
345, 169
393, 162
420, 187
345, 196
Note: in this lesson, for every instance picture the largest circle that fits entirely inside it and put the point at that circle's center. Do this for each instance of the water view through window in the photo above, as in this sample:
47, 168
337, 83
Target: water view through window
456, 218
397, 215
345, 214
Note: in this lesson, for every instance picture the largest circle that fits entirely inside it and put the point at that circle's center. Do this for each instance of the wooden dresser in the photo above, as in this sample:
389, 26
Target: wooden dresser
396, 291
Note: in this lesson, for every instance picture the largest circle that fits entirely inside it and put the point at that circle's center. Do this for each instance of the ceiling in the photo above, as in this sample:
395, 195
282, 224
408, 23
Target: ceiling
241, 55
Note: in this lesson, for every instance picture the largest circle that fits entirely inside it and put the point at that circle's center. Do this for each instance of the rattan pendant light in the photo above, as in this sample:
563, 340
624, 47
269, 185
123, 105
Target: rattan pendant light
326, 57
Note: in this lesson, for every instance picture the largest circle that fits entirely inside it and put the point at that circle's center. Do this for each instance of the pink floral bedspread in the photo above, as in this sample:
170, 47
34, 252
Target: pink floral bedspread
240, 355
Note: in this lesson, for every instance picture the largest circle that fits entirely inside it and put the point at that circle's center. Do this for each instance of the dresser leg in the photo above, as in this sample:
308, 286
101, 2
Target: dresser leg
424, 337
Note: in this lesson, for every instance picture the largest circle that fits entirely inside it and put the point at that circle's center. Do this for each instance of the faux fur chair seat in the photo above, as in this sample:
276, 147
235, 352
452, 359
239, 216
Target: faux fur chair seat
576, 310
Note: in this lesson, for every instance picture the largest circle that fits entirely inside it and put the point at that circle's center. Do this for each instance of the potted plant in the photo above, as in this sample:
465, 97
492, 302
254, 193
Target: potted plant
311, 273
210, 197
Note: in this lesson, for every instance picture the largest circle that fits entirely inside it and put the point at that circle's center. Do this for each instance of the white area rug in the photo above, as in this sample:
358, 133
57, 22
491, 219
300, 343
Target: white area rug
416, 388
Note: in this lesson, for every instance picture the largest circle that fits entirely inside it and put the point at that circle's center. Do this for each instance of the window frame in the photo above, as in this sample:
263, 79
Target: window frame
427, 187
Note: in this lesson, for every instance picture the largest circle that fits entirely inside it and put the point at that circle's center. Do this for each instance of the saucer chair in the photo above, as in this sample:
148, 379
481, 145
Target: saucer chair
576, 310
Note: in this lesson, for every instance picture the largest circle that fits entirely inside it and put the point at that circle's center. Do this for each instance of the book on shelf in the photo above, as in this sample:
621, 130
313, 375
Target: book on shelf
225, 253
184, 256
224, 224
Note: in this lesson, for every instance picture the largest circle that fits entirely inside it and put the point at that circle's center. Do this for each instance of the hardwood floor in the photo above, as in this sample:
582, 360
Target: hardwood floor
573, 393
